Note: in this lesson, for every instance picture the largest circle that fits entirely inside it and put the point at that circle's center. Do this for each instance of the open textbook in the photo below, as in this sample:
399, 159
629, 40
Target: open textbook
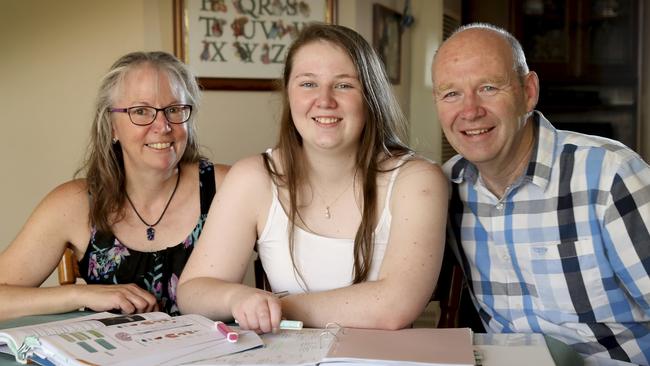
140, 339
349, 346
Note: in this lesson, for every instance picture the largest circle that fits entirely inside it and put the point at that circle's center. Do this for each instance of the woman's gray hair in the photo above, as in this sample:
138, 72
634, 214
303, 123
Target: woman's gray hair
183, 82
104, 165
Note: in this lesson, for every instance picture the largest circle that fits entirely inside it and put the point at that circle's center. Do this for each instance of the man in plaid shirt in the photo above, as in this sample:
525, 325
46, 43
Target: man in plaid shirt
552, 225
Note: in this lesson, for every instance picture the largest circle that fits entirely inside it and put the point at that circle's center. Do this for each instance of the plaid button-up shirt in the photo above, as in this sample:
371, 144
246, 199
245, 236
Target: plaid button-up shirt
566, 251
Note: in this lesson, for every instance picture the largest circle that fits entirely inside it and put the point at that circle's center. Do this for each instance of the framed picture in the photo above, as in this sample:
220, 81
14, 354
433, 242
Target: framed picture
241, 44
387, 39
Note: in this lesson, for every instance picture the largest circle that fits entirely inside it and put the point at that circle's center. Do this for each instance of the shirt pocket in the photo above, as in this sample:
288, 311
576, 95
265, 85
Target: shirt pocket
567, 277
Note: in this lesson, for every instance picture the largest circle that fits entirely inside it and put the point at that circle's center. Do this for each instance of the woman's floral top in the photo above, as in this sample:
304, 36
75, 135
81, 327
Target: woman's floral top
108, 261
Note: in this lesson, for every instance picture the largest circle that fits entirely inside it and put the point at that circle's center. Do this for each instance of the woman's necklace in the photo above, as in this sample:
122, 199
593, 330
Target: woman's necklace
328, 213
151, 232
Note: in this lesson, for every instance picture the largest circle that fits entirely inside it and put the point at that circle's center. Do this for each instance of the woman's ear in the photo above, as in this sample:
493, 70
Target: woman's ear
114, 137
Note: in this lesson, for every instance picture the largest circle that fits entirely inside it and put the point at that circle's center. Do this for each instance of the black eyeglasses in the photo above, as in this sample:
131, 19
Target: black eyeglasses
145, 115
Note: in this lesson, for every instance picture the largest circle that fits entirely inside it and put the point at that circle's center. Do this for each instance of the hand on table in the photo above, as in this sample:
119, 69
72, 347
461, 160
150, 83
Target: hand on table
128, 299
257, 310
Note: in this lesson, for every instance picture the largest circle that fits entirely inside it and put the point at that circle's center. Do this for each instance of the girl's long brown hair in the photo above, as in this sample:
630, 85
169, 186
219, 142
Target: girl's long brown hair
381, 138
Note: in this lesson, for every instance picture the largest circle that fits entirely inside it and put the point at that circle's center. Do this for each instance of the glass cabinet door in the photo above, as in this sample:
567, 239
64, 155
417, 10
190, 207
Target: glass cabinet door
547, 31
610, 39
569, 40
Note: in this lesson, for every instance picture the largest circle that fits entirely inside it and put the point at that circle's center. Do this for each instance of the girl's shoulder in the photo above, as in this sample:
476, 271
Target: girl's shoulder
410, 163
254, 164
247, 174
416, 173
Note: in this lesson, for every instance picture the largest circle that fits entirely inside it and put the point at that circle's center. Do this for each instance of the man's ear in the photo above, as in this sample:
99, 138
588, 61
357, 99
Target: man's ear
531, 90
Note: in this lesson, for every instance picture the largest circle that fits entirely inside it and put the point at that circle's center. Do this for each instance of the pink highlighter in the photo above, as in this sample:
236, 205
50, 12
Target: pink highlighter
230, 334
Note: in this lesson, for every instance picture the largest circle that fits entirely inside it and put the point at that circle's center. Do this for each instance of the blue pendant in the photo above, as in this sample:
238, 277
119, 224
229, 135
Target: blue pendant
151, 233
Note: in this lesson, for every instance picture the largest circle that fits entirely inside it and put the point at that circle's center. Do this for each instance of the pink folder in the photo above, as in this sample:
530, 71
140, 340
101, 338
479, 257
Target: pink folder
419, 346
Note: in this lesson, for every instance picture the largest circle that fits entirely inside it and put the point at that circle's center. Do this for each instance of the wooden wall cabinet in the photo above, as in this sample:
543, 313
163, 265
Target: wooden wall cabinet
587, 55
592, 41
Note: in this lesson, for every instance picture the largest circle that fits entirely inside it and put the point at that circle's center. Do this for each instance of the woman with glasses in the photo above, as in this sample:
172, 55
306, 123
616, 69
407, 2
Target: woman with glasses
133, 220
346, 219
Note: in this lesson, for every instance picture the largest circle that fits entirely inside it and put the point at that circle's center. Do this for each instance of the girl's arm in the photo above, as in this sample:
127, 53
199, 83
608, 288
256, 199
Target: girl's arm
211, 281
410, 267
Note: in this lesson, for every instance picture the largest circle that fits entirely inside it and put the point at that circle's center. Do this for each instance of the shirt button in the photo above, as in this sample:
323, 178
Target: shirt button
499, 206
505, 257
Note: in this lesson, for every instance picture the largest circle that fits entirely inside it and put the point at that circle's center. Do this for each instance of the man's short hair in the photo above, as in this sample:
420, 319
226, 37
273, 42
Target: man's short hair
518, 56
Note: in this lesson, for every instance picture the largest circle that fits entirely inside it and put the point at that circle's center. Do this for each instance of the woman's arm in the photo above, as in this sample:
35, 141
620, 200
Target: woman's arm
211, 281
59, 220
410, 267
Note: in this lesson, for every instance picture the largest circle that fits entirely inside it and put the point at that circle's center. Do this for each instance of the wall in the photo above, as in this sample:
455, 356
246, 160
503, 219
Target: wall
362, 22
426, 36
419, 43
55, 52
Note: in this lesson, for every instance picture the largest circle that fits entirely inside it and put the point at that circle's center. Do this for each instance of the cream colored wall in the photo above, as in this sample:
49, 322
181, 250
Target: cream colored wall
54, 53
419, 43
53, 56
362, 23
426, 37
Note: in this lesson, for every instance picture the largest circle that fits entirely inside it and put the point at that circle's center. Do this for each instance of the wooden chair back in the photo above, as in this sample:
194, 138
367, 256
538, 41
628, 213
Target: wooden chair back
68, 269
456, 306
449, 293
261, 281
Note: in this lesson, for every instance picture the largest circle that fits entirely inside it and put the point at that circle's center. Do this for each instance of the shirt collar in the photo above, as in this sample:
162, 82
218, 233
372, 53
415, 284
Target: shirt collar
539, 167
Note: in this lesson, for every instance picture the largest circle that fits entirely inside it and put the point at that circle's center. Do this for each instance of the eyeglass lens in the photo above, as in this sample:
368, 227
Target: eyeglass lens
143, 115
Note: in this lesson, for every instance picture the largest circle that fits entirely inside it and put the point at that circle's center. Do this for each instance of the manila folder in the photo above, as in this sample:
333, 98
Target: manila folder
417, 346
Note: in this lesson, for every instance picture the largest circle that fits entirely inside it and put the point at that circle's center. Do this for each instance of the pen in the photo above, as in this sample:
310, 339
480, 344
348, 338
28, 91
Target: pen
287, 324
281, 294
230, 334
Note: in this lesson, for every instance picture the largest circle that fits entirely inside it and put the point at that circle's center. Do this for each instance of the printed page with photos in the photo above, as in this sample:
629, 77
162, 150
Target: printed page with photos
167, 341
13, 339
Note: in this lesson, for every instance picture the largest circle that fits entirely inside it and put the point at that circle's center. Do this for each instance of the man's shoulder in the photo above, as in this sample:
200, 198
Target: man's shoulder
610, 150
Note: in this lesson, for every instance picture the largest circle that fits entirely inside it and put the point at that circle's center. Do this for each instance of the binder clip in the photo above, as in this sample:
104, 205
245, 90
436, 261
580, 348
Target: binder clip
330, 332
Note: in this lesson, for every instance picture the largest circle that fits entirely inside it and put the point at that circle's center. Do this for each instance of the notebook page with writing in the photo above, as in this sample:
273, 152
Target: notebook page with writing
417, 346
305, 347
